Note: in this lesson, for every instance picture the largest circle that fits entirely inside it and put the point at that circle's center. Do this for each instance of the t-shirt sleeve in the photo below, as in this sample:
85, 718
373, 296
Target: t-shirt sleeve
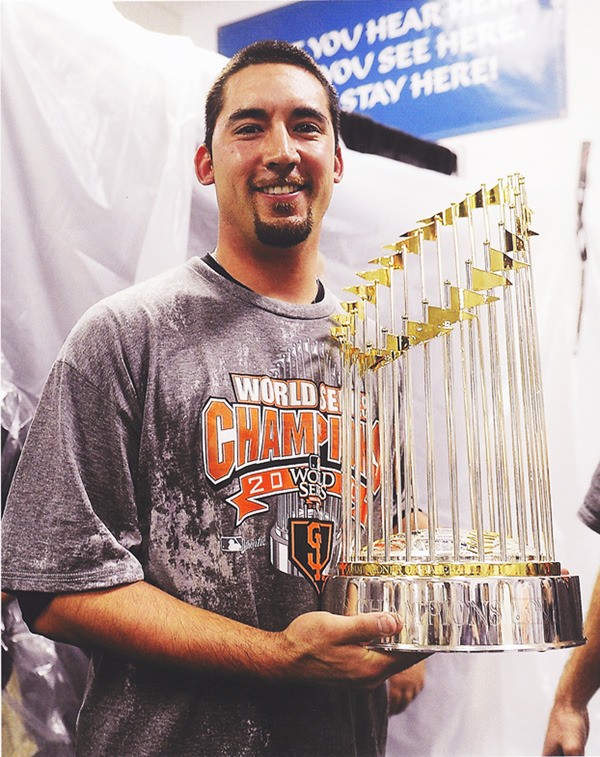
71, 519
590, 510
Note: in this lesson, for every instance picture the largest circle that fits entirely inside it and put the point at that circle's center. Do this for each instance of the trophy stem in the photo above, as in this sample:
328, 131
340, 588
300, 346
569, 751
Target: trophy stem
409, 477
474, 425
523, 212
430, 477
369, 462
429, 446
346, 447
497, 405
451, 440
529, 418
514, 394
357, 457
386, 471
396, 367
410, 494
448, 372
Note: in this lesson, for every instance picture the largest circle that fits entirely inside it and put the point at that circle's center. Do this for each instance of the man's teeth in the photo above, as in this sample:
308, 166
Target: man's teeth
286, 189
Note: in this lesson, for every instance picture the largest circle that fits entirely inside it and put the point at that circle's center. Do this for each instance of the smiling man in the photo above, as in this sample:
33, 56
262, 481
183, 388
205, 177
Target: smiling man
176, 507
273, 154
284, 149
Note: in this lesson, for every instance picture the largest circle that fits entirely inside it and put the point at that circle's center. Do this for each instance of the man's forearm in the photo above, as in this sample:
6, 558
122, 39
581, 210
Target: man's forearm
142, 622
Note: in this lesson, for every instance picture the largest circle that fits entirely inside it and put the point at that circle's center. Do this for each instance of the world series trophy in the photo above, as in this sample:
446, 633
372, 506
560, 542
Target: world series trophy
446, 508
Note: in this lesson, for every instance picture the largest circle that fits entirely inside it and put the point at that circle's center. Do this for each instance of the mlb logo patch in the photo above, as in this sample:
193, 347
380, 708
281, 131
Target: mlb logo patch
232, 544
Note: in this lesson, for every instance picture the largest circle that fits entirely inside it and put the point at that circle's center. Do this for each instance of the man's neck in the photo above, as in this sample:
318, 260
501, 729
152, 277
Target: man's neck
283, 274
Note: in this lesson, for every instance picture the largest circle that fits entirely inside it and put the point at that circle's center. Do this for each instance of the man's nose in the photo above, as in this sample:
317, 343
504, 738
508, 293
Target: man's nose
280, 147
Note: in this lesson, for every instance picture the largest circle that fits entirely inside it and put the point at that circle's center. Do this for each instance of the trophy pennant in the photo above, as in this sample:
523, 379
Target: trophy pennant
356, 308
339, 332
445, 217
366, 292
467, 298
463, 208
500, 261
495, 196
409, 242
379, 276
429, 231
343, 319
442, 316
395, 261
418, 332
481, 280
374, 359
396, 344
480, 198
514, 242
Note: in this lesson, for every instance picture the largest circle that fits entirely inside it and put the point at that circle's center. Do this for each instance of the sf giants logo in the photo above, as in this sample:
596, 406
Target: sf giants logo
310, 548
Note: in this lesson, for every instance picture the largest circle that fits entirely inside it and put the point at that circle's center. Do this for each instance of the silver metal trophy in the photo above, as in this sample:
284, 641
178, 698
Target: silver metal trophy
446, 513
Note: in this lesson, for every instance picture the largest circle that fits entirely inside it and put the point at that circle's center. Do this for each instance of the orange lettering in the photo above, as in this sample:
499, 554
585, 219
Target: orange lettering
219, 455
321, 428
248, 424
334, 438
297, 433
270, 441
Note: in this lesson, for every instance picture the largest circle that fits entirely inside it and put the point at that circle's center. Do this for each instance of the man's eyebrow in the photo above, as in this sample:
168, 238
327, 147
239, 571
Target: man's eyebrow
308, 112
260, 114
241, 114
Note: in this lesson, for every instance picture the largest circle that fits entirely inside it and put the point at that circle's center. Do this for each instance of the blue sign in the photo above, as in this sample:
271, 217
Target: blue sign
433, 69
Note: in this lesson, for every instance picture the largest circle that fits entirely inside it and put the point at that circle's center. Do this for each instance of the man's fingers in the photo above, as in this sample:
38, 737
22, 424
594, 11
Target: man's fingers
368, 627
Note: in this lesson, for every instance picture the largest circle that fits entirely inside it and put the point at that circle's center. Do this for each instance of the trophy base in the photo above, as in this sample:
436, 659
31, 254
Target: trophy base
464, 613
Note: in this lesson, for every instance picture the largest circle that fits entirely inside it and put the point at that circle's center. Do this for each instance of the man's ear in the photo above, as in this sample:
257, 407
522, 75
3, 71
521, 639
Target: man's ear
204, 166
338, 166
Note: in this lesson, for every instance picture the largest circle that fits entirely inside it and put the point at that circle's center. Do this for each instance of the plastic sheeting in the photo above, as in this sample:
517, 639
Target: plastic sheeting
99, 125
42, 681
100, 122
16, 413
100, 119
42, 694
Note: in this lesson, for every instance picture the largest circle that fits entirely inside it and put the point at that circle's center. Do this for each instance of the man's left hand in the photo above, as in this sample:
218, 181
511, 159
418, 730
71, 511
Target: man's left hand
405, 686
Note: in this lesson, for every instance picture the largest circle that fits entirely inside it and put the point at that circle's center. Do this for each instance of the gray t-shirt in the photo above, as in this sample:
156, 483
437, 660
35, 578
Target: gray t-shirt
589, 512
188, 435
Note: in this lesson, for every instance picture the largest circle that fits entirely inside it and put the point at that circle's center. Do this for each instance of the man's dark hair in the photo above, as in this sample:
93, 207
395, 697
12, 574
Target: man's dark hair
266, 51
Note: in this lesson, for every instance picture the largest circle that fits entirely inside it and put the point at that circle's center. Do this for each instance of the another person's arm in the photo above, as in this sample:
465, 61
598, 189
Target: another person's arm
568, 727
404, 687
142, 622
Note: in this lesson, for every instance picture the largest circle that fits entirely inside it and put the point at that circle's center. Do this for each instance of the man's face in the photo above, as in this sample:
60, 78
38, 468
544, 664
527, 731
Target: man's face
274, 160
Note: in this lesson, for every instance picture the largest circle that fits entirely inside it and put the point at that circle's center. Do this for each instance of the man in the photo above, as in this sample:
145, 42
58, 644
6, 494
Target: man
569, 725
175, 507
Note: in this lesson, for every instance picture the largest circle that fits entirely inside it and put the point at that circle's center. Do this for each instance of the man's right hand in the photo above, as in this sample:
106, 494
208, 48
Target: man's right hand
330, 649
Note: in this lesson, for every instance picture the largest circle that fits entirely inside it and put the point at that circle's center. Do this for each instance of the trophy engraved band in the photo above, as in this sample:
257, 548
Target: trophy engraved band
446, 511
